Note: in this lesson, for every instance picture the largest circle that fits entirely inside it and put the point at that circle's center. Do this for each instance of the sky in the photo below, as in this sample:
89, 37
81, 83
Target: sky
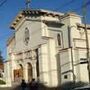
10, 8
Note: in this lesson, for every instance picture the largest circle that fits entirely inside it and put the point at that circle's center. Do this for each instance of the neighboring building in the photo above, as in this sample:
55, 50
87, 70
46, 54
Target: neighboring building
1, 66
47, 46
1, 70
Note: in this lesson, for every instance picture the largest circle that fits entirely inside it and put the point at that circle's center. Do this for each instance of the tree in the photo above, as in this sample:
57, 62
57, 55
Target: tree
1, 58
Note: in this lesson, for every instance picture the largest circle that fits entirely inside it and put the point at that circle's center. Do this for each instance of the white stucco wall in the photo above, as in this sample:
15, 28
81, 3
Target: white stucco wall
44, 37
35, 35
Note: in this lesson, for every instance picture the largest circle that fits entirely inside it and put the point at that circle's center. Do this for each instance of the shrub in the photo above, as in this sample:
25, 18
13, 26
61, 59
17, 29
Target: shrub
2, 82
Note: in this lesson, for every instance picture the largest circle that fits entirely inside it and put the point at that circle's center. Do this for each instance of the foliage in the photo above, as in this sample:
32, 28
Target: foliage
1, 58
2, 82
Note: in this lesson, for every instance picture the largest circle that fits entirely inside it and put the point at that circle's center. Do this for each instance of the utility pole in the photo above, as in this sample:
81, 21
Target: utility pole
84, 11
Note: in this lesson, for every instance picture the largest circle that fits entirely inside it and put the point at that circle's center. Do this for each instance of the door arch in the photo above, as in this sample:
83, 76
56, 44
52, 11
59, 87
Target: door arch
18, 74
20, 71
30, 73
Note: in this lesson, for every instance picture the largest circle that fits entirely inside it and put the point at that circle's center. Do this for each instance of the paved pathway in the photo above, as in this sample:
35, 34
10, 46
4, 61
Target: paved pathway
6, 88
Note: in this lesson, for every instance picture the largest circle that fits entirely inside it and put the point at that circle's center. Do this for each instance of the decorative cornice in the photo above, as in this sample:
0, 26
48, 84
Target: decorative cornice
70, 14
83, 26
58, 23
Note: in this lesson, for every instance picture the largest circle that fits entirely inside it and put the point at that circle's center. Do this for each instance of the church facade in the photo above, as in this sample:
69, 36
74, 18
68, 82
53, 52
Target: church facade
47, 46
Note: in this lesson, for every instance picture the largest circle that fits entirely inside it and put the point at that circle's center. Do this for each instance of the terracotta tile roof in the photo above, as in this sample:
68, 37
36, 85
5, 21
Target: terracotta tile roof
37, 12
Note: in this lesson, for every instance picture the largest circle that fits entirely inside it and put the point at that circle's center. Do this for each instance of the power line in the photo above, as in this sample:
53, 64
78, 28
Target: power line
82, 6
86, 4
64, 4
2, 3
69, 3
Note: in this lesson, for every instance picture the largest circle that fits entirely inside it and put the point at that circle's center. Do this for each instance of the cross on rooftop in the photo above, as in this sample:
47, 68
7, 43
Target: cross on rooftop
28, 4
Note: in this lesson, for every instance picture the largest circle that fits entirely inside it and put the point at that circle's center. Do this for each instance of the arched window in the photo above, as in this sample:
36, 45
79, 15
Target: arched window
59, 39
26, 37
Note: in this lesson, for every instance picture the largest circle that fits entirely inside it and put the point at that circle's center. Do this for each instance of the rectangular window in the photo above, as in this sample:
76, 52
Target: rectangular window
59, 39
65, 76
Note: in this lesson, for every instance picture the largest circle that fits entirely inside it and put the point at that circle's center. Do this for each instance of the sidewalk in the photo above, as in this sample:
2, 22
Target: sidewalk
6, 88
17, 88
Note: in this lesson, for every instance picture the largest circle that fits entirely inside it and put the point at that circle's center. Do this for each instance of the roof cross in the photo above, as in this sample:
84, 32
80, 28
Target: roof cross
28, 4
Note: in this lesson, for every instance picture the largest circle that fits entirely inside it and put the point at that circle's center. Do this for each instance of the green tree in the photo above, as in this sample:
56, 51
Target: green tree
1, 58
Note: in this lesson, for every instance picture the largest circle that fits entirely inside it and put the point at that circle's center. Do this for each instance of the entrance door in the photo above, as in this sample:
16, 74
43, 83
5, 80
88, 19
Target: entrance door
21, 72
29, 72
18, 74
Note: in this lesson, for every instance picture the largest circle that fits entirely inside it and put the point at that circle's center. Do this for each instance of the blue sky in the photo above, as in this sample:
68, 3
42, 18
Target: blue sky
10, 9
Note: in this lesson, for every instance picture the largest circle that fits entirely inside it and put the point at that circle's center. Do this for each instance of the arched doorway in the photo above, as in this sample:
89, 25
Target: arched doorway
18, 74
30, 74
21, 71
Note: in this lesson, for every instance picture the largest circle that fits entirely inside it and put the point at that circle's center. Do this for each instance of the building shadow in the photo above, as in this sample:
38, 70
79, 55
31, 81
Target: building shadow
37, 86
58, 68
65, 86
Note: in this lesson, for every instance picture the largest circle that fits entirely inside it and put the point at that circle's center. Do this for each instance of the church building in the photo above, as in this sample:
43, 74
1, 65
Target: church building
50, 47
